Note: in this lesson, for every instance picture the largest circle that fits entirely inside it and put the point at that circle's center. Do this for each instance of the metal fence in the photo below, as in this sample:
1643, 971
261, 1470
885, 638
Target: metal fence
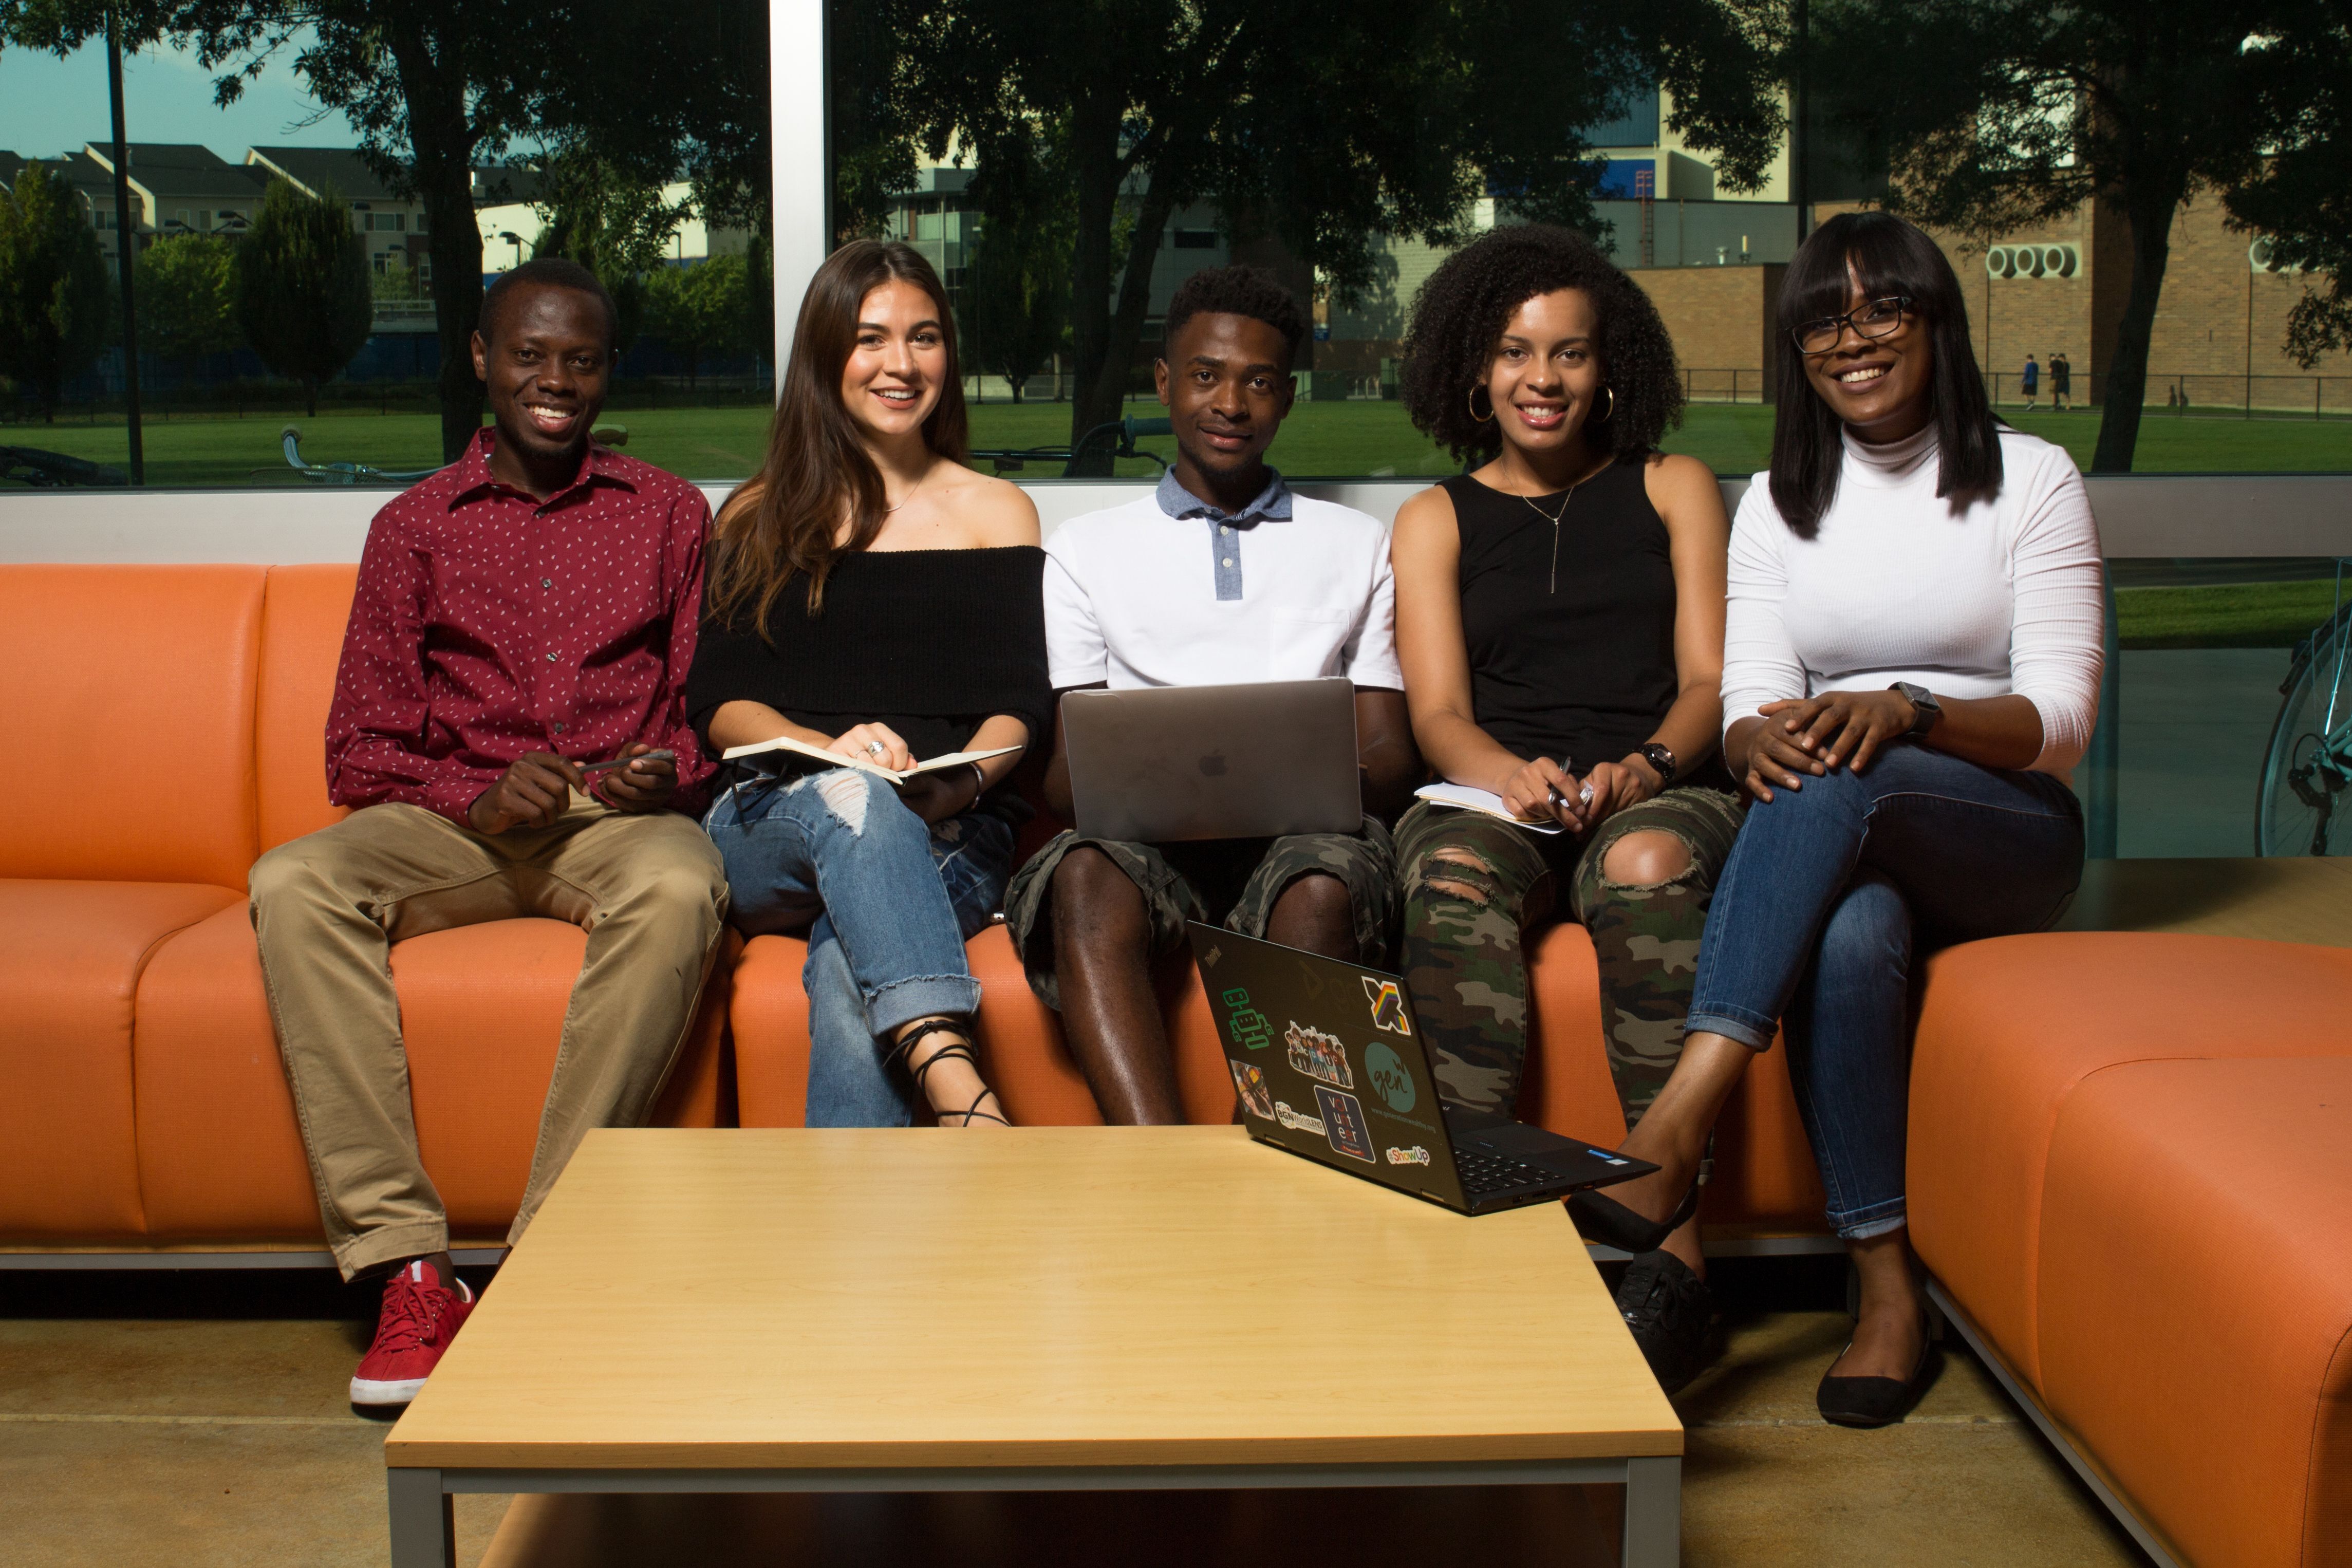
2199, 393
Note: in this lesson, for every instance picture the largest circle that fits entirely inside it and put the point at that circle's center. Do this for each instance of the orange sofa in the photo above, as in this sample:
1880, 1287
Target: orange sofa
2131, 1174
171, 728
141, 1105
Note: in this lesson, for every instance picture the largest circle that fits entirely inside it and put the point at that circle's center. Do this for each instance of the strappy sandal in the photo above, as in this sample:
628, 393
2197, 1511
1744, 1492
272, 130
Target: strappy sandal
960, 1051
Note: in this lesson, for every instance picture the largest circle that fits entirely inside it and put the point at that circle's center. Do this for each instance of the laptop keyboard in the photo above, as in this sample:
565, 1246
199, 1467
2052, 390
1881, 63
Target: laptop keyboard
1484, 1174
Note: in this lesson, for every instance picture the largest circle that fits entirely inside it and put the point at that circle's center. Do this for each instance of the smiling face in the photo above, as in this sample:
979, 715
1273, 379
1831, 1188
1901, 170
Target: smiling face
1882, 388
1226, 383
547, 367
897, 364
1545, 375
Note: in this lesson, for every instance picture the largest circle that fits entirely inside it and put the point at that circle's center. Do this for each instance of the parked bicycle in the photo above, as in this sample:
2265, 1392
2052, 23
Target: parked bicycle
2308, 767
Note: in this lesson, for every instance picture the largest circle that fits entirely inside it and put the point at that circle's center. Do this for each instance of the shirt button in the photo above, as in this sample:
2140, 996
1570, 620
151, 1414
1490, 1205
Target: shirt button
551, 659
1228, 530
547, 582
1228, 561
558, 726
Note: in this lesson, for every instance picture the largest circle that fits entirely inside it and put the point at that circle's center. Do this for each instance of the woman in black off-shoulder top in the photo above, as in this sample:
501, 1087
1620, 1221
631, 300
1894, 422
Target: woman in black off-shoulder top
873, 598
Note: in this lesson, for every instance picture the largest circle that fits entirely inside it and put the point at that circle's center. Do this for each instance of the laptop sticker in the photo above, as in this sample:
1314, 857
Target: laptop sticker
1387, 1006
1252, 1029
1344, 1125
1291, 1119
1389, 1079
1416, 1155
1257, 1095
1317, 1054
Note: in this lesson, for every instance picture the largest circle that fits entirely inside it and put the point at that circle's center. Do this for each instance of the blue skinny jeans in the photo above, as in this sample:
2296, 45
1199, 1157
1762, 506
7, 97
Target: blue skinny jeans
1829, 892
886, 903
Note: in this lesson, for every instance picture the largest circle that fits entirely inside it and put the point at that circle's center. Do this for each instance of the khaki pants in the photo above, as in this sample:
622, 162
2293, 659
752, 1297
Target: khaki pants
648, 888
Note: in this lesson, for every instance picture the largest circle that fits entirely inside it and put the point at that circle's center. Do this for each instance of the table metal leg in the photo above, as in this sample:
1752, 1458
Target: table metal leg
424, 1530
1654, 1513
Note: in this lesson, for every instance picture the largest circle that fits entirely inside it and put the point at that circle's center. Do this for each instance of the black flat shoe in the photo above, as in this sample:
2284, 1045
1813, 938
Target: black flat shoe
1671, 1314
1877, 1401
1612, 1224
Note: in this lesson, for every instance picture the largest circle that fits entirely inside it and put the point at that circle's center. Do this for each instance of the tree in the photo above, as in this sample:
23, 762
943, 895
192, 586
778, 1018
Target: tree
302, 287
187, 309
699, 309
54, 290
1322, 127
2303, 195
599, 214
2031, 110
1017, 280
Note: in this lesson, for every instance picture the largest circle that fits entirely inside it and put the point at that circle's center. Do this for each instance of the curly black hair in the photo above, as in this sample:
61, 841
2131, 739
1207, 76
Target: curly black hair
1462, 309
1251, 291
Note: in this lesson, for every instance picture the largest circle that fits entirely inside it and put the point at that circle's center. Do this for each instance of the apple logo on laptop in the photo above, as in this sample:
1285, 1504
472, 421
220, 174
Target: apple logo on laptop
1213, 766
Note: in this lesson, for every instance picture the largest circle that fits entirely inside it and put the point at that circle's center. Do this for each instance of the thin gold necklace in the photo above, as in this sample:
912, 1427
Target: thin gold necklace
910, 494
1553, 518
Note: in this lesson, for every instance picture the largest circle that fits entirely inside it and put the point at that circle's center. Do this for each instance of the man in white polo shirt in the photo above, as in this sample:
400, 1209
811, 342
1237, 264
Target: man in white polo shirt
1221, 575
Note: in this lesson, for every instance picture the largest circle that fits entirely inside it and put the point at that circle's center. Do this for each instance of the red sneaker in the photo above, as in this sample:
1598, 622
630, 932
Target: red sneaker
421, 1315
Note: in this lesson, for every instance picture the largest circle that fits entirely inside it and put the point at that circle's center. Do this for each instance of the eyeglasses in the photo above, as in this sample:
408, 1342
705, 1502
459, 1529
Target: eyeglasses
1875, 320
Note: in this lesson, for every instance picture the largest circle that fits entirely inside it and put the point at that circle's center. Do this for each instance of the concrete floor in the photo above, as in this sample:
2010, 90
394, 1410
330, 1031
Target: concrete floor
193, 1419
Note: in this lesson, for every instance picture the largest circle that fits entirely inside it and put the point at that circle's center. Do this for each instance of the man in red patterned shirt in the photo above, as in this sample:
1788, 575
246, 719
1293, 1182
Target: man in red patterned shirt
523, 616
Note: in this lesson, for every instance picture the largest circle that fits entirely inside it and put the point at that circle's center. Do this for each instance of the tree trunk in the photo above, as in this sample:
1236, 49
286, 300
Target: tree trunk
433, 82
2151, 214
1126, 326
1094, 159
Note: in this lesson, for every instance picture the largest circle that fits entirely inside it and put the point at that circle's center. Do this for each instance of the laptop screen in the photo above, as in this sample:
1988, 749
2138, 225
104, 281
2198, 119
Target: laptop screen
1324, 1058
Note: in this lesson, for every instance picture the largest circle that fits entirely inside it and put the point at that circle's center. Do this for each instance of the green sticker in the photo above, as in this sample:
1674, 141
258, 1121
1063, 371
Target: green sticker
1389, 1079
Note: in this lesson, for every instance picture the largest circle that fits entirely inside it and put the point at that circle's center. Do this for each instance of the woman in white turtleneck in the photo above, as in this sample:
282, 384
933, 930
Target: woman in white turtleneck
1911, 673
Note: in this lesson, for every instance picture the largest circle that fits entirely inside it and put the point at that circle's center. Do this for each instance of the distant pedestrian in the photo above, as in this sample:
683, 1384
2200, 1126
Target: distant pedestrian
2030, 382
2061, 381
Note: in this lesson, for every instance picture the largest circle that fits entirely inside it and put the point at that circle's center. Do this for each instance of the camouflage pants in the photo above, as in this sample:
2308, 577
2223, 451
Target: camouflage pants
1475, 885
1232, 881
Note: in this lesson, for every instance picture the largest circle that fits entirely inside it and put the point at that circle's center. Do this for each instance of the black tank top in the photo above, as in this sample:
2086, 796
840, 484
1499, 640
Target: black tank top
1570, 632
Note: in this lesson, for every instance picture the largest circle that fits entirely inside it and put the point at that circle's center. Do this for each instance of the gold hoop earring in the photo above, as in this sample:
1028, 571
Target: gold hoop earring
1476, 389
1610, 411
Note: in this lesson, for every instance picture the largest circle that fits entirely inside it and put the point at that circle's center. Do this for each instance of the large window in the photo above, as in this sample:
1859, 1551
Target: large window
646, 158
1067, 165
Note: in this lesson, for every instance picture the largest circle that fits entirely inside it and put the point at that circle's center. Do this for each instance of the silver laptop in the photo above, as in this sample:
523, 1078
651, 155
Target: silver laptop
1160, 765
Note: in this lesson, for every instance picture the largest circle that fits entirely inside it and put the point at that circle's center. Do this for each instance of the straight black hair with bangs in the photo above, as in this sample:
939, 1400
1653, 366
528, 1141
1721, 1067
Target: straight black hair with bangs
1889, 257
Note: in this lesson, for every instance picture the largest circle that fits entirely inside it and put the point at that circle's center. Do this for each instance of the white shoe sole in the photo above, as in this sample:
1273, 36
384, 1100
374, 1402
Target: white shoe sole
364, 1392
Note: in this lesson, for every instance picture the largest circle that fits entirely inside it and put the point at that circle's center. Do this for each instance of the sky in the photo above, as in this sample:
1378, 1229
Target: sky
48, 106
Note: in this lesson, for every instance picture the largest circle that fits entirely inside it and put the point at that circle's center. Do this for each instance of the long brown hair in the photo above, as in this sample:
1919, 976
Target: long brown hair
785, 521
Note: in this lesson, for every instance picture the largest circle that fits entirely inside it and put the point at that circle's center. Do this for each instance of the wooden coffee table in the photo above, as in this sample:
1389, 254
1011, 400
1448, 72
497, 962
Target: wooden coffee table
925, 1310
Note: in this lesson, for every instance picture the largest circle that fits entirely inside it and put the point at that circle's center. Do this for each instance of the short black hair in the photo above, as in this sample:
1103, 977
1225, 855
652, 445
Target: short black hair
1459, 316
1889, 257
1251, 291
551, 272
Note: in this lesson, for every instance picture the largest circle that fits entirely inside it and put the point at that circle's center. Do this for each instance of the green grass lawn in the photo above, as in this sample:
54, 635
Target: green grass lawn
1321, 440
2234, 614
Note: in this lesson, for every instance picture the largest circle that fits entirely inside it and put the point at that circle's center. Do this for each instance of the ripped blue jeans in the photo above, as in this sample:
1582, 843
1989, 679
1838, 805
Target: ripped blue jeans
886, 903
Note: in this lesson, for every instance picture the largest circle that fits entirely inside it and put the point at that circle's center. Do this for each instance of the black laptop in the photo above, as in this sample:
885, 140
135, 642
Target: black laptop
1329, 1065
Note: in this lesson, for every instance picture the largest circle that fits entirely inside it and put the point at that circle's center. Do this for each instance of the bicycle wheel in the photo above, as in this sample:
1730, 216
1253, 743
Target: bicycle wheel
2307, 769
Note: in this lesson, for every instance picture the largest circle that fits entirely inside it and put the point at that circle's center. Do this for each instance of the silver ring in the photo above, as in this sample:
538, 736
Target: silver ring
876, 747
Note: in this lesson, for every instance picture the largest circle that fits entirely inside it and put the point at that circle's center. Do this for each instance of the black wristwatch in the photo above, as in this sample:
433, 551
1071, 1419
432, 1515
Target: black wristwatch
1925, 711
1660, 758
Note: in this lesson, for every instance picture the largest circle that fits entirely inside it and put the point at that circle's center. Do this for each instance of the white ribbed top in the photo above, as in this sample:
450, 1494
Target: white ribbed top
2004, 597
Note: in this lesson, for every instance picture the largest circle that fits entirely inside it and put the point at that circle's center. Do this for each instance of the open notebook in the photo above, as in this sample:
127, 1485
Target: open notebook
1462, 797
836, 760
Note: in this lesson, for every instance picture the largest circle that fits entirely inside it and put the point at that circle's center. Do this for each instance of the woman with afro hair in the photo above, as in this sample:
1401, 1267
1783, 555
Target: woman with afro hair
1560, 620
